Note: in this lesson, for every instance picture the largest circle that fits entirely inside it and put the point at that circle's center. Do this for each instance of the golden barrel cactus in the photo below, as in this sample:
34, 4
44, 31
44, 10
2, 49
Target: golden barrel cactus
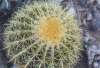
43, 35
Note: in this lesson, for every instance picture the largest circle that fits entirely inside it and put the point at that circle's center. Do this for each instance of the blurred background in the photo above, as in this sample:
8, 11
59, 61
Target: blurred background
87, 13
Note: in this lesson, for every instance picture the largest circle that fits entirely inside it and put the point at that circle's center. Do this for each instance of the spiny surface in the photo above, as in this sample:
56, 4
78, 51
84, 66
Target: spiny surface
43, 35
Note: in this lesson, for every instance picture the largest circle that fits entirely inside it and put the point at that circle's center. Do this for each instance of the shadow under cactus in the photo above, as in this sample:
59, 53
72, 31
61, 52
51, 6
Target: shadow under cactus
83, 63
3, 58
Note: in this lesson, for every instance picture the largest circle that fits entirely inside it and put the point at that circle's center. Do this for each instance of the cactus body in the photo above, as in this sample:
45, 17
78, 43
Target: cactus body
43, 35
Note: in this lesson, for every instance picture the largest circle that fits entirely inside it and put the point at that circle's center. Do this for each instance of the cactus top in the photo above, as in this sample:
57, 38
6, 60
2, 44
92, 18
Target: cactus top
51, 30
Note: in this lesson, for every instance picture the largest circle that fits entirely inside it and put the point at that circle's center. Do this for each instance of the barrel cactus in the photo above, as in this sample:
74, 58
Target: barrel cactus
43, 35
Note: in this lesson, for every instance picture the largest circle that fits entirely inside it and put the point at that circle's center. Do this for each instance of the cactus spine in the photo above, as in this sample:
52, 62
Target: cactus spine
43, 35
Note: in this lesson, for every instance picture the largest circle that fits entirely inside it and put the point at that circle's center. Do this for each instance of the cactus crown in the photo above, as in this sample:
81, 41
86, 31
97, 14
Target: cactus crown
51, 30
44, 35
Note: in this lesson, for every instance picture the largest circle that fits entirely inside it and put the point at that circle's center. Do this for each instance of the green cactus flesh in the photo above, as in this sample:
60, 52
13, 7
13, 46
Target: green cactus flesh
43, 35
